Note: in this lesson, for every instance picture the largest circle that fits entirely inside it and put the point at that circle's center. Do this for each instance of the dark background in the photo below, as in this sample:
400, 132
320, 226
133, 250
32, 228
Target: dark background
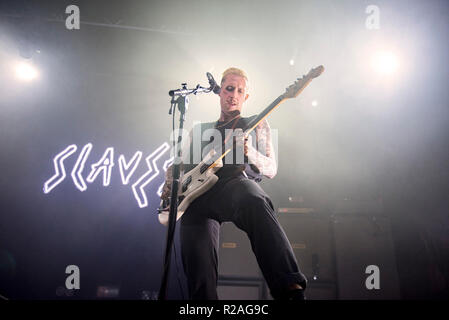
370, 138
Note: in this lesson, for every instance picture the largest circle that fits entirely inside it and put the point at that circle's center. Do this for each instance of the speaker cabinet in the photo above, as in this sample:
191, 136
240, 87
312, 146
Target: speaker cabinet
316, 290
235, 257
321, 291
362, 241
310, 235
240, 289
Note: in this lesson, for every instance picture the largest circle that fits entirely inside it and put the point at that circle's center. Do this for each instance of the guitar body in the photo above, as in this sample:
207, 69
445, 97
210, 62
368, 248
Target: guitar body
192, 185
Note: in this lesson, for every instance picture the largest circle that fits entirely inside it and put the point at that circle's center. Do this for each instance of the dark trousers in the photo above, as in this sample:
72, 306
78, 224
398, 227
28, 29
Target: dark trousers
243, 202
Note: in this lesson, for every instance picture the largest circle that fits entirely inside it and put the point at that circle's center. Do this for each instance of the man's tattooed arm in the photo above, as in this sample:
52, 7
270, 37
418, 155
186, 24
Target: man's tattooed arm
263, 158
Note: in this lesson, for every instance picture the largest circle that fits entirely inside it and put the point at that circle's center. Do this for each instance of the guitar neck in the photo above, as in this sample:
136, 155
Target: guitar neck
265, 113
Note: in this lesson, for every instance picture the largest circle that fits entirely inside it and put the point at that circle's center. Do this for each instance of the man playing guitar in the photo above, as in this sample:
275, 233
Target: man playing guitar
237, 197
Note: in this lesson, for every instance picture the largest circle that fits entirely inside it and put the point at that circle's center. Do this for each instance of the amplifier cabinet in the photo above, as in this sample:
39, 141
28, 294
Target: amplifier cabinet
311, 238
235, 256
365, 253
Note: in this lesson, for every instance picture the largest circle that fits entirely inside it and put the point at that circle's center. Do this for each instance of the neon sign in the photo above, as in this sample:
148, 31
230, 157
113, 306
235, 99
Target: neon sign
138, 186
79, 166
60, 174
123, 166
104, 167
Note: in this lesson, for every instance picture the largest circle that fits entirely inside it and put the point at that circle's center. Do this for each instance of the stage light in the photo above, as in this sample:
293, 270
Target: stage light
314, 103
384, 62
25, 71
292, 62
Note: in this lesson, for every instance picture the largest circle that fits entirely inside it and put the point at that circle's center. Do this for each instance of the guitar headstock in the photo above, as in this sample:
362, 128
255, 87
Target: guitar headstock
294, 90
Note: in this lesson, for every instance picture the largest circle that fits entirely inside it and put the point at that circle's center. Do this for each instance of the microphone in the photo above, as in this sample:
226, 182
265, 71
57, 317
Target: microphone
213, 85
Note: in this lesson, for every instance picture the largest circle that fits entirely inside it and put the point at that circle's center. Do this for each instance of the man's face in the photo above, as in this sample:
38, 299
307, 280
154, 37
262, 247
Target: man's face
233, 93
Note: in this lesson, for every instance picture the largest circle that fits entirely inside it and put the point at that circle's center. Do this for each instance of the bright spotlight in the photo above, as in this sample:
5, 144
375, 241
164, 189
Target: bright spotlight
292, 62
25, 71
384, 62
314, 103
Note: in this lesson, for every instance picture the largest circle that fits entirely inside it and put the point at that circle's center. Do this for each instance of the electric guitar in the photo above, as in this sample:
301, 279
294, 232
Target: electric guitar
202, 177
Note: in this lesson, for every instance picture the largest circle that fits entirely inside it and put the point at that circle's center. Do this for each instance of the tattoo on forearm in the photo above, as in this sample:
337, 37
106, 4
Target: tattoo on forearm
263, 158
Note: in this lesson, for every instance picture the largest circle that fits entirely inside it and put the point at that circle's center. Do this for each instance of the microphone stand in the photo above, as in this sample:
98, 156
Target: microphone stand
182, 102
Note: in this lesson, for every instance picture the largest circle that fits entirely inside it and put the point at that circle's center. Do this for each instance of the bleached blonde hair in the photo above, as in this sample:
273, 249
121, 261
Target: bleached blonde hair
237, 72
